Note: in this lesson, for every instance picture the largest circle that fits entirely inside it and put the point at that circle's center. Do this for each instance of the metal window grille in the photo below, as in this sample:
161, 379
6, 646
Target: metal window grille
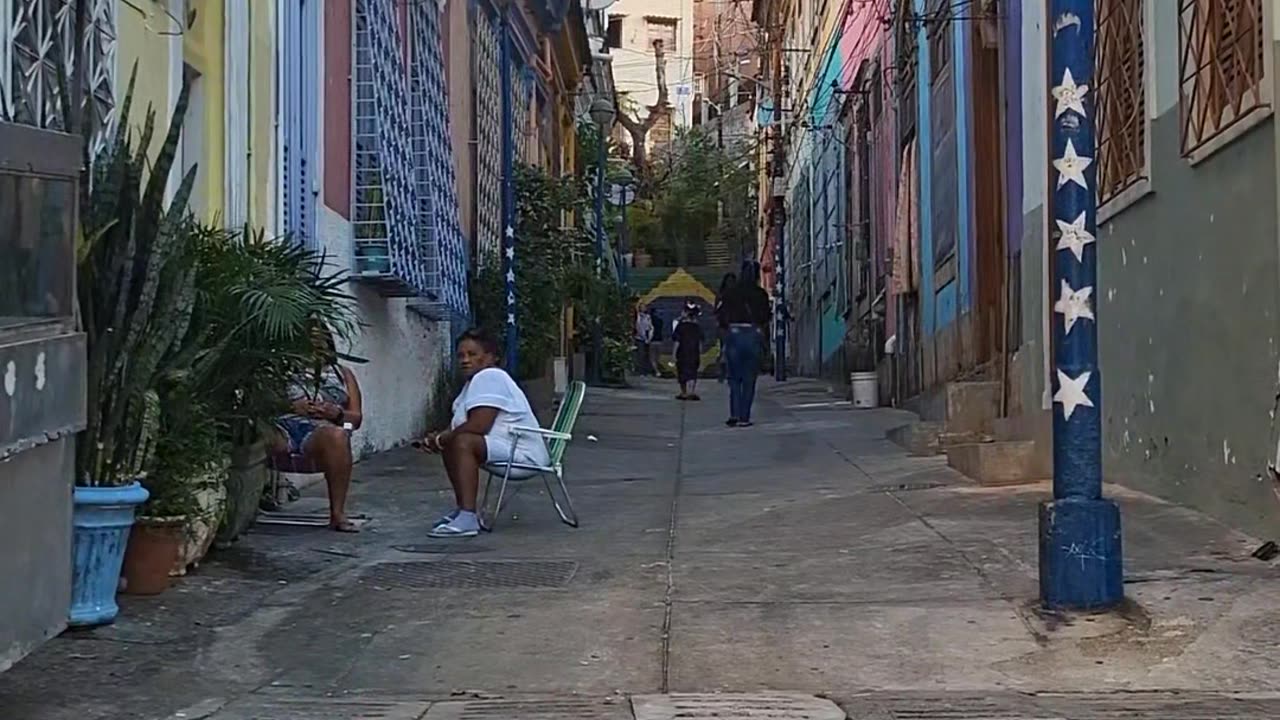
522, 116
1121, 96
488, 100
387, 251
36, 39
1222, 67
435, 181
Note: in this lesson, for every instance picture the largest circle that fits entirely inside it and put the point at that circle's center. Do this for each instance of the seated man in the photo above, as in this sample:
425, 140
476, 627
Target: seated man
326, 407
486, 410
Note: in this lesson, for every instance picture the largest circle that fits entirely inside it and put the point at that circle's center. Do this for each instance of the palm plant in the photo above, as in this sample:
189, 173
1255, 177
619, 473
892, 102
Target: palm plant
258, 300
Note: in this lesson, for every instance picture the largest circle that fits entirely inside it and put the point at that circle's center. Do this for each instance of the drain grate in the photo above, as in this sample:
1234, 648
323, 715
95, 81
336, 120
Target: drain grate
1066, 706
734, 706
442, 548
334, 708
906, 487
556, 709
468, 574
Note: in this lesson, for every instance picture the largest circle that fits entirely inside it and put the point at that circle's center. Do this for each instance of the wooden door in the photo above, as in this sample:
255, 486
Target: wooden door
988, 197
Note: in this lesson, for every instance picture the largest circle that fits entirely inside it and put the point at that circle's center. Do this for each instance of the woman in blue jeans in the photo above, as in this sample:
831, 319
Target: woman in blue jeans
744, 311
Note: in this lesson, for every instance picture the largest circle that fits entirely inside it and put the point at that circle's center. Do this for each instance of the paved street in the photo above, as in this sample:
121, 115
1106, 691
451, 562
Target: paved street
806, 555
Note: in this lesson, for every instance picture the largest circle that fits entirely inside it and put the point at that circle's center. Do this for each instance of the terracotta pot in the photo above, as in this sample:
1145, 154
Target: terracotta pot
154, 547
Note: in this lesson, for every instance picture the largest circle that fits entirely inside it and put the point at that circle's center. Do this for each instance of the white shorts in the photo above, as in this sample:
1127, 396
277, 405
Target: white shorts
527, 451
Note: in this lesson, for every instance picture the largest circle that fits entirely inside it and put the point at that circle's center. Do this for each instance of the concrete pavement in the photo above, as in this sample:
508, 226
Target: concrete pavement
807, 554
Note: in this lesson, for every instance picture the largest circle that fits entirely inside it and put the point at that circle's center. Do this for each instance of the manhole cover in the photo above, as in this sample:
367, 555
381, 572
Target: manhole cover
277, 708
442, 548
561, 709
747, 706
472, 574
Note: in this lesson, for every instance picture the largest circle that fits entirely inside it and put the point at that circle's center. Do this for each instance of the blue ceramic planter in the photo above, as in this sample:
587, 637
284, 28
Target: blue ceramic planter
101, 523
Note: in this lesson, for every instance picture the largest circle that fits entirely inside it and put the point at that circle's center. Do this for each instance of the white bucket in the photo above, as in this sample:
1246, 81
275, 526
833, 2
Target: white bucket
866, 389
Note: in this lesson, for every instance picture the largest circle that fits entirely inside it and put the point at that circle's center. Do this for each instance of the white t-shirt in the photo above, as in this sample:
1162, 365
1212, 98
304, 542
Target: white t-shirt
493, 387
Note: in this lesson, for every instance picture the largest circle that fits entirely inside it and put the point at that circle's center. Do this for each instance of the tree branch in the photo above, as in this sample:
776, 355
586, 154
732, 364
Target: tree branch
639, 129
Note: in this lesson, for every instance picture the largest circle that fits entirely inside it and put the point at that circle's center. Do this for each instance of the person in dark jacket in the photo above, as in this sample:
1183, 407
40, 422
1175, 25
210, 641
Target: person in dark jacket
745, 312
723, 328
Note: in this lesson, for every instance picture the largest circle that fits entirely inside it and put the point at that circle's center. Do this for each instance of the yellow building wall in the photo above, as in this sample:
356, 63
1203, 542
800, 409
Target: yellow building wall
202, 49
262, 111
146, 37
142, 41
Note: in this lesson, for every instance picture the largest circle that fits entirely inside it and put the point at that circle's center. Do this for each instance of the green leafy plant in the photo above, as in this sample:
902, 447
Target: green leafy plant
548, 250
259, 300
136, 275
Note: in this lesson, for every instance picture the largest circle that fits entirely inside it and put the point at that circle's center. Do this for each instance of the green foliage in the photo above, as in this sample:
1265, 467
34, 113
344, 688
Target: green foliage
555, 269
548, 251
136, 295
698, 191
194, 332
260, 299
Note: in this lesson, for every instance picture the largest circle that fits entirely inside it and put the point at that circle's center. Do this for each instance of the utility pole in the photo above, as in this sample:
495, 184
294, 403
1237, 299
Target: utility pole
780, 226
1081, 563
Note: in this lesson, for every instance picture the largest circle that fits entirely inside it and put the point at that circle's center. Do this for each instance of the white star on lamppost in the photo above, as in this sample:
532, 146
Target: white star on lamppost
1071, 392
1069, 95
511, 276
1074, 305
1074, 236
511, 298
511, 319
511, 253
511, 232
1071, 167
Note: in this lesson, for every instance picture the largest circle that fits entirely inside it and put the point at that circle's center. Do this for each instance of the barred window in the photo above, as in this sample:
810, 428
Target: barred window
1121, 96
1222, 46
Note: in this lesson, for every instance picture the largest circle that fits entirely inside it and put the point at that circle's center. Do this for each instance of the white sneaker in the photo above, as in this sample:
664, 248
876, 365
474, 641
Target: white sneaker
452, 530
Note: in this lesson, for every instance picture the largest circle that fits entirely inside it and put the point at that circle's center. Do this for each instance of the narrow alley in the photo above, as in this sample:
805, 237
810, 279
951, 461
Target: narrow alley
807, 555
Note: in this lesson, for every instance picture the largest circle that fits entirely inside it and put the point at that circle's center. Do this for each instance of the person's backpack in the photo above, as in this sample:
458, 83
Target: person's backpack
657, 328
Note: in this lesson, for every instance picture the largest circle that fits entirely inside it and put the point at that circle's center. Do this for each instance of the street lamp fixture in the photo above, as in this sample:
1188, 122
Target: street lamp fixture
602, 113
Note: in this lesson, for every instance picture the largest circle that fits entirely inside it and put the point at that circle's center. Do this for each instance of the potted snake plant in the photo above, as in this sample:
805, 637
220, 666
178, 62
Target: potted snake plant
135, 295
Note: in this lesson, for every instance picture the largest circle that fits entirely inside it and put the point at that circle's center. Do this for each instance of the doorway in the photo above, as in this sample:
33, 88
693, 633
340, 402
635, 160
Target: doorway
990, 242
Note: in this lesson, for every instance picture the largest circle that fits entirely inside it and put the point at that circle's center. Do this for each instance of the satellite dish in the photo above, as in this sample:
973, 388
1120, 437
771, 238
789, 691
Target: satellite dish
599, 4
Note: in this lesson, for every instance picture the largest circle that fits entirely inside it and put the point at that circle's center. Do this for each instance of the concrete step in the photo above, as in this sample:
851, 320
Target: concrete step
1008, 462
923, 437
963, 406
1037, 425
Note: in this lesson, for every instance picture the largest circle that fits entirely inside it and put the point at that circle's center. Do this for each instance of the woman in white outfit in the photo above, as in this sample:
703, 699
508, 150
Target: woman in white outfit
484, 413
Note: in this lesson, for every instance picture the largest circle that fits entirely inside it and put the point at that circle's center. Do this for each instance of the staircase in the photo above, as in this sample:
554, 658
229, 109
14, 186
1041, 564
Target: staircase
717, 250
961, 420
955, 414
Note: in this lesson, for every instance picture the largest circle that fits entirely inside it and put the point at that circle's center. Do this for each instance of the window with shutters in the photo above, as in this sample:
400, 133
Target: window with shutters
1121, 96
1222, 48
662, 29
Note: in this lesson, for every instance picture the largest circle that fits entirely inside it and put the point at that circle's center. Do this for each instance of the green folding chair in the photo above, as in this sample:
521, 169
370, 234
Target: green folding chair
557, 439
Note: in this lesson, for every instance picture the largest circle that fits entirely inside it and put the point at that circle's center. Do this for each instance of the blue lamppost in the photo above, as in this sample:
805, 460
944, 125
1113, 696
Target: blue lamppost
602, 114
1081, 564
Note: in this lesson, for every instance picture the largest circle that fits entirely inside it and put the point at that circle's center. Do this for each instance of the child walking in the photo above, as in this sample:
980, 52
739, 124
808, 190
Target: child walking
688, 338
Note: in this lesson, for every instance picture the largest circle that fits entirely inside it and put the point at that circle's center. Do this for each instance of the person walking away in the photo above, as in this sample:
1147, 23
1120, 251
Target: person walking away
644, 340
722, 330
746, 314
655, 345
485, 412
688, 339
